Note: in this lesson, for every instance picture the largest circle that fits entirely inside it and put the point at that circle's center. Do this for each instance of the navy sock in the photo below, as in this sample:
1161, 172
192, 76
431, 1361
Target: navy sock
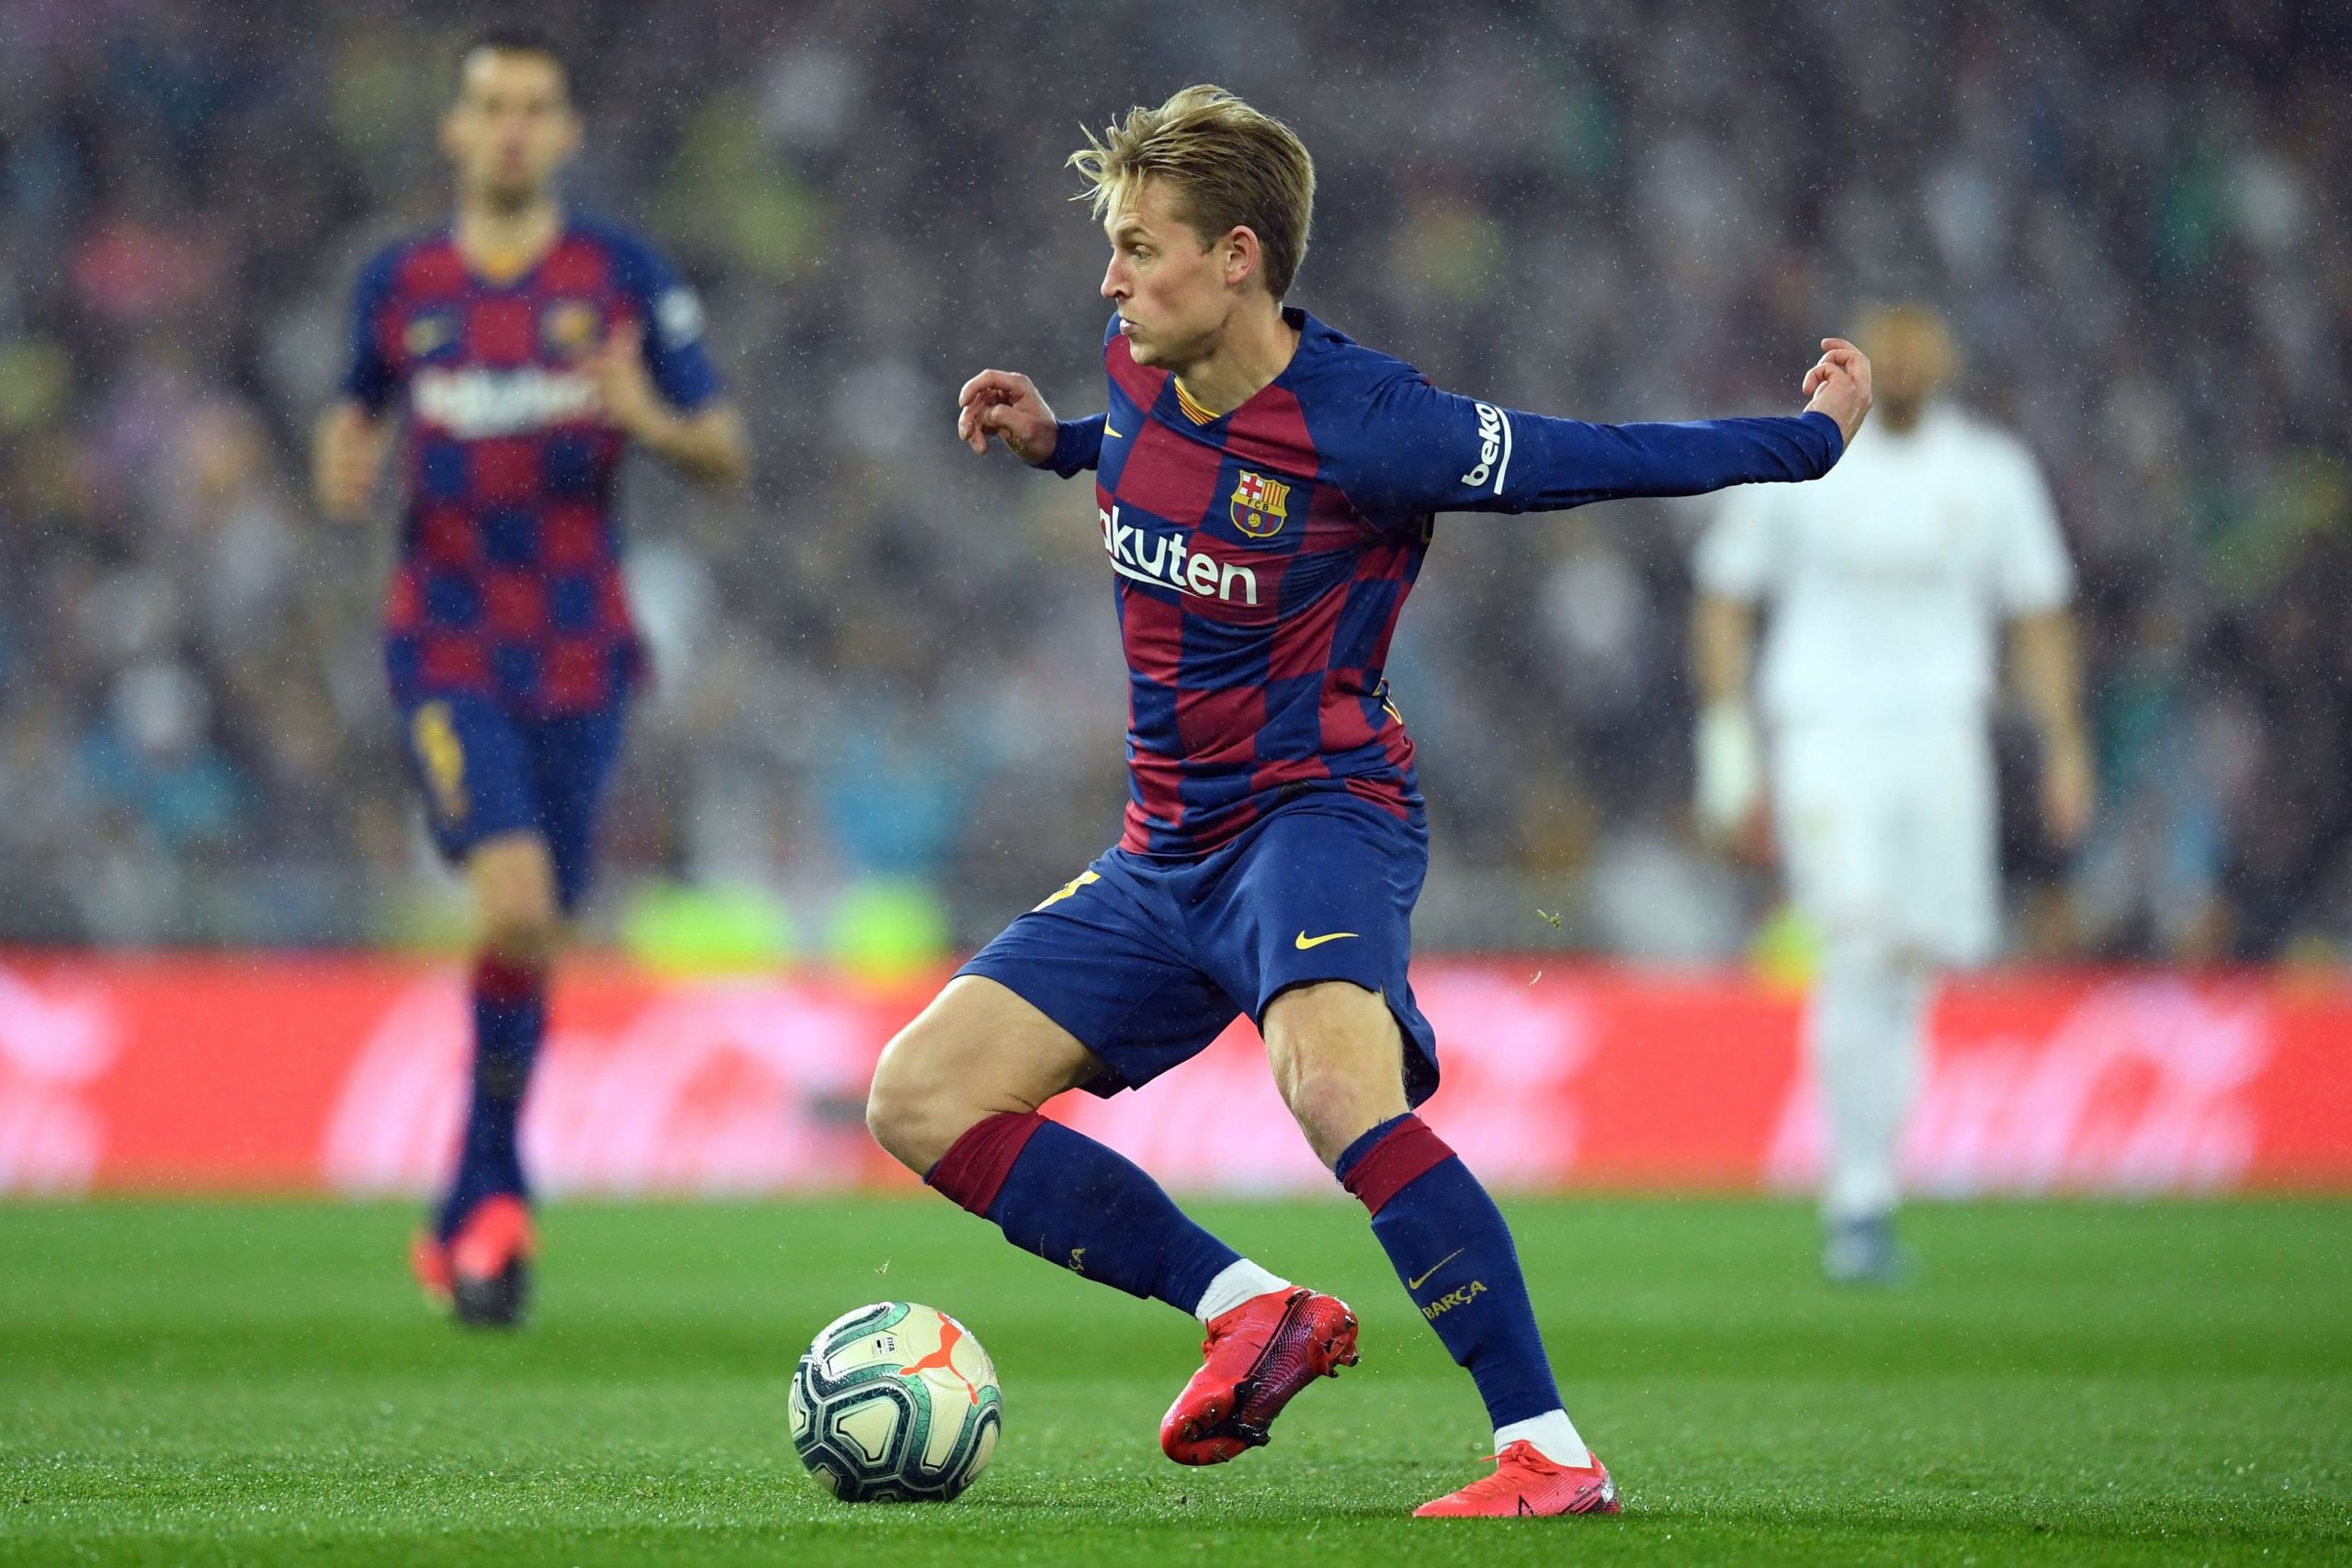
1076, 1204
510, 1015
1451, 1249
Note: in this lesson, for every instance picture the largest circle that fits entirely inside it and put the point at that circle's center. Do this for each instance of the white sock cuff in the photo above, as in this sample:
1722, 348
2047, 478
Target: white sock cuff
1554, 1435
1236, 1282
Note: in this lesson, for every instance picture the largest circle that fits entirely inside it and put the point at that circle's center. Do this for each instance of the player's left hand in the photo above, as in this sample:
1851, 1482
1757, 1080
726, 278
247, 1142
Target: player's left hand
625, 390
2068, 792
1839, 385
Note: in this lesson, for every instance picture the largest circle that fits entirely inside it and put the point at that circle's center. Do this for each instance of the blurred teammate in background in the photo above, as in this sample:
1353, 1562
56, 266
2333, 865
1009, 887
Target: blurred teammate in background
524, 346
1266, 489
1887, 584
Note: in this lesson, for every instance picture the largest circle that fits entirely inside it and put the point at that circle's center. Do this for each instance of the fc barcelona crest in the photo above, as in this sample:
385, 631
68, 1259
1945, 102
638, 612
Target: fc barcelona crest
571, 326
1260, 505
428, 333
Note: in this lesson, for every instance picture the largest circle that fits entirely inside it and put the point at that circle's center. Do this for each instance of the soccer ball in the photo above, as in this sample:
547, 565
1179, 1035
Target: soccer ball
894, 1402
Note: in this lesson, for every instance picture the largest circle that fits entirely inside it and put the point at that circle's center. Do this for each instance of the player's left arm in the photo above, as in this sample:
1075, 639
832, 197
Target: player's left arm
654, 379
706, 443
2043, 651
1425, 450
2034, 581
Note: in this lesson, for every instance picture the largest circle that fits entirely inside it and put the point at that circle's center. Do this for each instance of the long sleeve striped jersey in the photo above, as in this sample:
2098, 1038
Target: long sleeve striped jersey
1261, 557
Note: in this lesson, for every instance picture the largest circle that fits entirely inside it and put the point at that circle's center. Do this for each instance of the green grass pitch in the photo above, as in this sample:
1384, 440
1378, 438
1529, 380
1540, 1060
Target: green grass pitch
257, 1383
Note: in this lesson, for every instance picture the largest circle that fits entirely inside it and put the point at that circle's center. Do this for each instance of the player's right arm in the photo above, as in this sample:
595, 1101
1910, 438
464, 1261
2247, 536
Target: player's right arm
2034, 582
1729, 753
1006, 406
2049, 676
1734, 571
347, 456
348, 447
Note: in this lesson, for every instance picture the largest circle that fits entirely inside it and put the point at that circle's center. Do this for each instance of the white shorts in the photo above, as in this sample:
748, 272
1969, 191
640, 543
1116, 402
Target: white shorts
1888, 831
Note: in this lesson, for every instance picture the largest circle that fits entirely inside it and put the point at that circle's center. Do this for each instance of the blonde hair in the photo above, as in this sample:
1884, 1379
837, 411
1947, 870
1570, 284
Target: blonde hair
1229, 165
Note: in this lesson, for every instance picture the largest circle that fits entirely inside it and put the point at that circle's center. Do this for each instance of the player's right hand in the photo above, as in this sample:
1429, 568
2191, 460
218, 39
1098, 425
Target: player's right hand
348, 455
1732, 806
1007, 406
2069, 790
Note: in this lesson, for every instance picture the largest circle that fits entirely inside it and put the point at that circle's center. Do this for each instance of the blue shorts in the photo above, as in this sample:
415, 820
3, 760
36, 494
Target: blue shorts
1146, 961
485, 771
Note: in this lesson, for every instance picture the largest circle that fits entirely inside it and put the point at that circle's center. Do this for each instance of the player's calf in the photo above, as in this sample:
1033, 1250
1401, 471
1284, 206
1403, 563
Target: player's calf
954, 1098
510, 1021
1451, 1249
1071, 1201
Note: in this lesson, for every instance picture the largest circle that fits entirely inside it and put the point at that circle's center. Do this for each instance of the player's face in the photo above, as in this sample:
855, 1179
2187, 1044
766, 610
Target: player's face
512, 127
1911, 358
1172, 288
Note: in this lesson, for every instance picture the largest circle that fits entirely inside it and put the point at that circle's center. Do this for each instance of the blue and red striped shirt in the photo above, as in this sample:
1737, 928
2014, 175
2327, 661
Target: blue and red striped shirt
508, 584
1261, 557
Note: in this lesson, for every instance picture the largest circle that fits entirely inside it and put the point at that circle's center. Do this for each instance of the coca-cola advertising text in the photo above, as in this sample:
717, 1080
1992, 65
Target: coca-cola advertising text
348, 1075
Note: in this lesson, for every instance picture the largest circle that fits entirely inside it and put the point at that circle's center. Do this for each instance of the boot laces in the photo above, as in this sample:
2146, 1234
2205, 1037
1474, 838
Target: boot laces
1520, 1455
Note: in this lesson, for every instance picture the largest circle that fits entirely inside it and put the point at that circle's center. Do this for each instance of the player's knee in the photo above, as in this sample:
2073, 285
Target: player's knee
1328, 1108
515, 890
912, 1108
894, 1117
1334, 1106
977, 1051
527, 937
1336, 1056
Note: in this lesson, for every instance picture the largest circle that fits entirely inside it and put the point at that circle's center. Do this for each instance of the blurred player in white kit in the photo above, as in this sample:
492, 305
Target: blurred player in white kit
1864, 748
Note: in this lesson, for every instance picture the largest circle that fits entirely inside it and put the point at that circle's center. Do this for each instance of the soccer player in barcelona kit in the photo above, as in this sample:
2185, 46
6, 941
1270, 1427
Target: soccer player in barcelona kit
525, 347
1265, 488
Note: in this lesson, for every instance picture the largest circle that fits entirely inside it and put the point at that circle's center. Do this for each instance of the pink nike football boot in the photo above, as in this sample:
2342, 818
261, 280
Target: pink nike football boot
482, 1275
1526, 1485
1254, 1361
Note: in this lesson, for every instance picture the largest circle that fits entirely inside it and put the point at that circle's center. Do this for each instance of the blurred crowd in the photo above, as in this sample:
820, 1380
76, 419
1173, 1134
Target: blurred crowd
889, 687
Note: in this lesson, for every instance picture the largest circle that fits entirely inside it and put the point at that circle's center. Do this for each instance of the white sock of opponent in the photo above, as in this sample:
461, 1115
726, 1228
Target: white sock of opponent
1235, 1283
1554, 1435
1867, 1029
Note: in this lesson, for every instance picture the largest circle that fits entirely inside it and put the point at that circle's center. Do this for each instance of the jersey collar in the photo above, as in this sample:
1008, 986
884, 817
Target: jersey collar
508, 284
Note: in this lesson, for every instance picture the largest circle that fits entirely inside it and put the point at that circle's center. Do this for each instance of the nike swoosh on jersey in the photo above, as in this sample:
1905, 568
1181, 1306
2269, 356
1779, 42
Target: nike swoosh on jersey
1306, 941
1109, 434
1417, 1284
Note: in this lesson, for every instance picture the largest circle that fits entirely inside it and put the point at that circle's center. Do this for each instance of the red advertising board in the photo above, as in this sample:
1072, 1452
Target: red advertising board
347, 1075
